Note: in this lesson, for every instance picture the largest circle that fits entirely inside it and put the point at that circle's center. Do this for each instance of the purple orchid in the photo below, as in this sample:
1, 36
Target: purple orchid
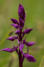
10, 49
19, 36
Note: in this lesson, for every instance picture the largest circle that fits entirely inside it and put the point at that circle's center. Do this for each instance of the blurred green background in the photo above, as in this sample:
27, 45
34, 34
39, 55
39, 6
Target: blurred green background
34, 19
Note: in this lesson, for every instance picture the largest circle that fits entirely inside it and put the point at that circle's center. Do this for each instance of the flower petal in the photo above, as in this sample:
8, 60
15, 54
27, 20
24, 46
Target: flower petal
21, 22
26, 31
28, 43
15, 25
14, 21
9, 49
17, 32
21, 47
21, 12
30, 58
12, 38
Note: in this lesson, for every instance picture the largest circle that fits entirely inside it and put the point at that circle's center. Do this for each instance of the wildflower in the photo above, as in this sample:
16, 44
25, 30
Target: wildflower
28, 43
12, 38
10, 49
19, 34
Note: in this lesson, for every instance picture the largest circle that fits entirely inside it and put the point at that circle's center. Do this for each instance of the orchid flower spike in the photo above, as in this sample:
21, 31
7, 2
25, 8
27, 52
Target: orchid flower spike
19, 34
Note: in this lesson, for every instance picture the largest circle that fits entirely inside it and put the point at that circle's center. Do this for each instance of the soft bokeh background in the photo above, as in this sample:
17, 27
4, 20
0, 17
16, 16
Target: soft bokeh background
34, 18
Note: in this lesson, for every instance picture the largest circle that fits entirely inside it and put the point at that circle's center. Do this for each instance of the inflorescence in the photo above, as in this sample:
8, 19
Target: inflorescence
19, 34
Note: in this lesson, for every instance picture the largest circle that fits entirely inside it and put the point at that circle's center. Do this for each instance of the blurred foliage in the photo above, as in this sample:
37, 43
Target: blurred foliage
34, 18
42, 62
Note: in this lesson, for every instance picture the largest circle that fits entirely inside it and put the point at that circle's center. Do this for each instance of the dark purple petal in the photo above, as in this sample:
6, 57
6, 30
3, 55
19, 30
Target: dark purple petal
12, 38
21, 12
17, 32
28, 43
14, 21
30, 58
27, 31
21, 47
15, 25
21, 22
9, 49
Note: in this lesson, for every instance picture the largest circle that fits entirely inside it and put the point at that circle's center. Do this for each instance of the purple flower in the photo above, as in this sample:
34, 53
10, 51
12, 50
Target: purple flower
28, 43
29, 57
14, 21
12, 38
21, 22
21, 47
19, 36
21, 12
17, 32
9, 49
27, 31
15, 25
